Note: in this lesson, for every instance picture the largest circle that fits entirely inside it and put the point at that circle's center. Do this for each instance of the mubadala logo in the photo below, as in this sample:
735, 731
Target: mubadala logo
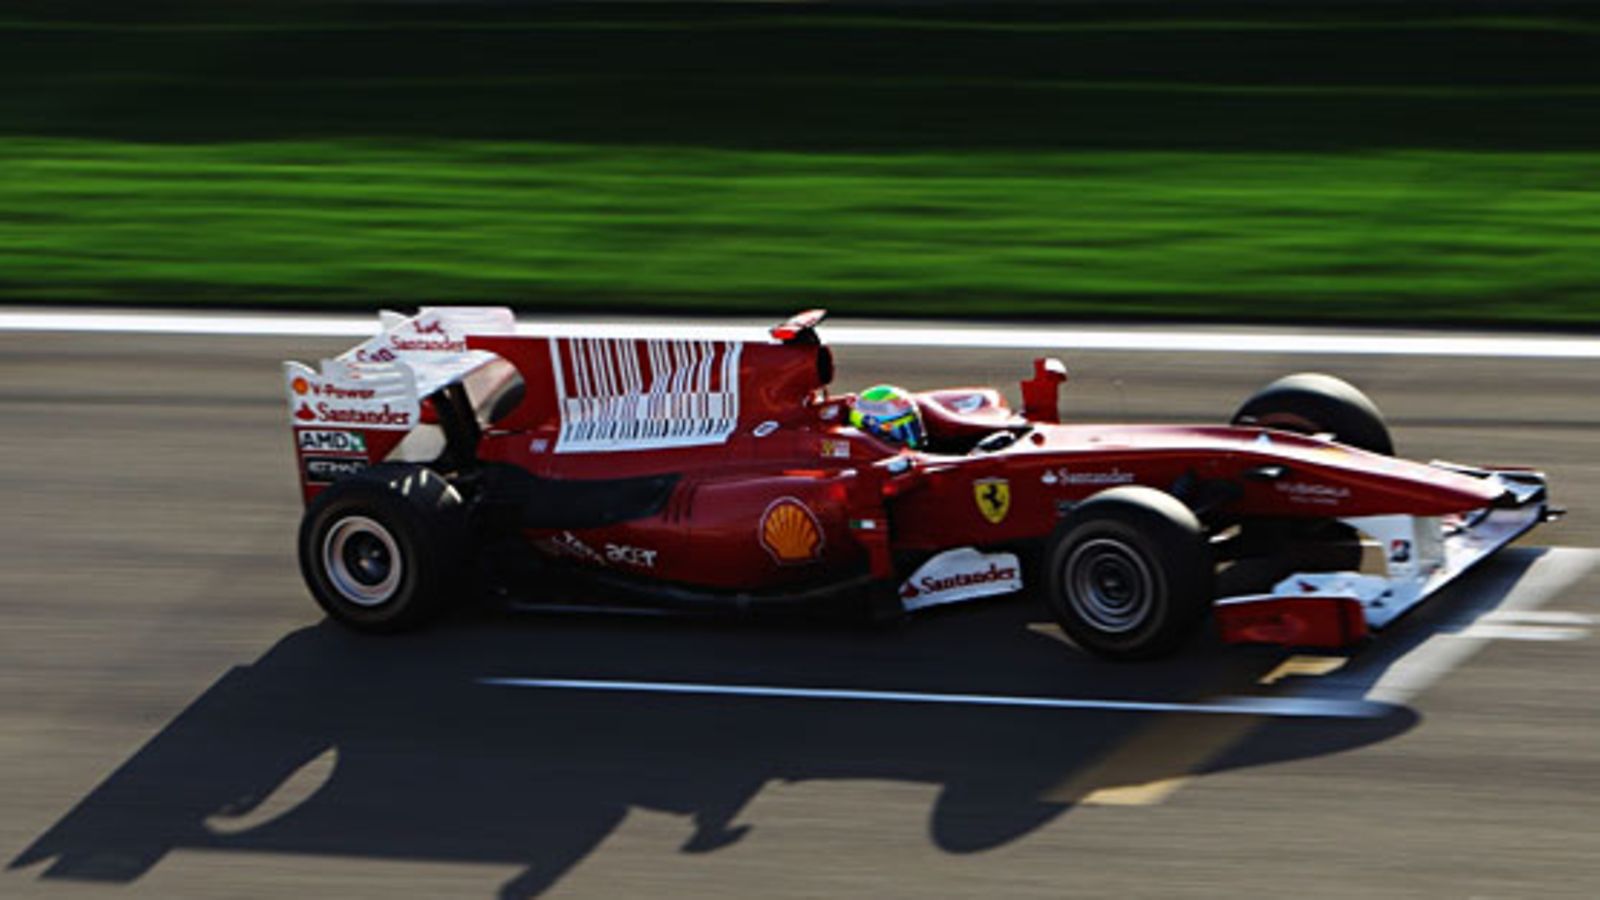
353, 443
1307, 492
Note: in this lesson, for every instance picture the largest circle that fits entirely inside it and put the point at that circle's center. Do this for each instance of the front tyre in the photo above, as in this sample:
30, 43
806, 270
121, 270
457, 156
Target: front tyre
1128, 574
381, 551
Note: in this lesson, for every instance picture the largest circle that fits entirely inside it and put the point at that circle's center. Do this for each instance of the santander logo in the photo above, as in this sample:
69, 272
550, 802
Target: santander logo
428, 336
382, 417
325, 400
964, 573
933, 584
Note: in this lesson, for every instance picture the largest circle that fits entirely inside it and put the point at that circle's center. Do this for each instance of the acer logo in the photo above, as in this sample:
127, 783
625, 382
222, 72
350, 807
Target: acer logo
631, 556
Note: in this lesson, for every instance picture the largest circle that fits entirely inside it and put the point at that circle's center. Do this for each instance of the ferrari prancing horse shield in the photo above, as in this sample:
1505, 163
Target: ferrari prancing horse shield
994, 498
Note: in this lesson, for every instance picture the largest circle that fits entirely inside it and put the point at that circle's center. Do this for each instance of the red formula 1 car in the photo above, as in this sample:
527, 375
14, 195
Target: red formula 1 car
450, 453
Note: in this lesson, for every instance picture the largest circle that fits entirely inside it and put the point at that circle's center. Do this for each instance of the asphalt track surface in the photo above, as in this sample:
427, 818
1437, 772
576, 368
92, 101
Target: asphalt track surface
177, 721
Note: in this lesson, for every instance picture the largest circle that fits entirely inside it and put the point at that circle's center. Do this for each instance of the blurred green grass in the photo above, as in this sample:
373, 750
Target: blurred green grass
1439, 169
1400, 235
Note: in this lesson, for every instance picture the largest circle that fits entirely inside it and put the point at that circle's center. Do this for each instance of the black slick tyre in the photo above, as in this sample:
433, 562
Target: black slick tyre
1311, 403
381, 551
1128, 574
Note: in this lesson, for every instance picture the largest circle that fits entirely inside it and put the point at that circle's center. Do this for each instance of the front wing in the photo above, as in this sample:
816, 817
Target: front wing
1420, 556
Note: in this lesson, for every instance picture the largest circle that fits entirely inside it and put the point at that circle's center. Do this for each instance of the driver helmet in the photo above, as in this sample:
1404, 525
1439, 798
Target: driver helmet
889, 413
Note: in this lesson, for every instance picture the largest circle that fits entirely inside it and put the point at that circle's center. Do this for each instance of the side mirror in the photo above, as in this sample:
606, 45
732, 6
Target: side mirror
1041, 393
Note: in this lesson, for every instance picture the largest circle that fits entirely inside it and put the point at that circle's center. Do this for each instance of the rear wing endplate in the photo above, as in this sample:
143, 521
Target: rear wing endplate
379, 384
365, 405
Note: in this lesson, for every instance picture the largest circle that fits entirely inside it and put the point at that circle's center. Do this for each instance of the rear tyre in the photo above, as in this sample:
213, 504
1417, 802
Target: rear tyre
381, 551
1128, 574
1310, 403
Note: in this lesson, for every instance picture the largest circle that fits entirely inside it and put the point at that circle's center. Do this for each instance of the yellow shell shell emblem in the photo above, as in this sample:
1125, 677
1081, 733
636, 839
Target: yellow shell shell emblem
994, 498
790, 533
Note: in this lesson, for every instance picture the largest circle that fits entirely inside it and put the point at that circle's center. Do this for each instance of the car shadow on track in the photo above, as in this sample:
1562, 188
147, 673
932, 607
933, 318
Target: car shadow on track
414, 758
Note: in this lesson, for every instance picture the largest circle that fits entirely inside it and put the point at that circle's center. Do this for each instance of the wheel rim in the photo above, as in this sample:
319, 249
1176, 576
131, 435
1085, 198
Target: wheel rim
1109, 585
362, 560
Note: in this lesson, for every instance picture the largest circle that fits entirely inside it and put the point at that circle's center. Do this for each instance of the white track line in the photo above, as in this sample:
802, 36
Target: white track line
1151, 339
1555, 572
1236, 706
165, 323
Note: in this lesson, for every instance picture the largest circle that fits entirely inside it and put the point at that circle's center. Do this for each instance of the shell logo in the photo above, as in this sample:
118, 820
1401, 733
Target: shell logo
790, 533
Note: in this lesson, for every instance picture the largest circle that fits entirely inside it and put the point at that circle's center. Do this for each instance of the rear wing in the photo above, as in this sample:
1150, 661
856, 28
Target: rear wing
380, 382
578, 394
358, 407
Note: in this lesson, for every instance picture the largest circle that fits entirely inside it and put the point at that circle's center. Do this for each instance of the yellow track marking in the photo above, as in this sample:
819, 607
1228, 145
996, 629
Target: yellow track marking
1050, 630
1310, 666
1153, 764
1156, 762
1148, 794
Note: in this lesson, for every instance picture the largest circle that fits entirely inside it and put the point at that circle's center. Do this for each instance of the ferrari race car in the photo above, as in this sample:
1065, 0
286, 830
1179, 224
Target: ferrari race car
451, 455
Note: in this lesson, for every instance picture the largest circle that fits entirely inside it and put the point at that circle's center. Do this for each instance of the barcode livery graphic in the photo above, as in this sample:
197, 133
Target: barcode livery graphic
642, 394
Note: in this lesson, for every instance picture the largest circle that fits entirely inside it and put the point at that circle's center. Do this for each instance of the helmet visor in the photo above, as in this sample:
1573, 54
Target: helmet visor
903, 429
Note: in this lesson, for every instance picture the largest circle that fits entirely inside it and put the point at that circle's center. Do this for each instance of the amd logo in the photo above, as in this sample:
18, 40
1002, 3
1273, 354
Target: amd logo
347, 442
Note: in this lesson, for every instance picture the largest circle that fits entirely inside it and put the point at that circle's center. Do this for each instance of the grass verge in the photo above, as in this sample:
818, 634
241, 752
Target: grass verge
1418, 167
1405, 235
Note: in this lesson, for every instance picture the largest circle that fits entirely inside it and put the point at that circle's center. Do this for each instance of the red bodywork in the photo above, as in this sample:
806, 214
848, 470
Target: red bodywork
862, 502
775, 492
